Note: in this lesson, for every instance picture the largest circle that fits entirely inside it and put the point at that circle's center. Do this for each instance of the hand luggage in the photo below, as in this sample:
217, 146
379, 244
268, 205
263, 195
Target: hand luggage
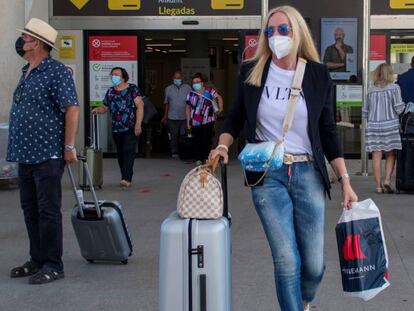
94, 158
99, 226
195, 262
186, 147
405, 165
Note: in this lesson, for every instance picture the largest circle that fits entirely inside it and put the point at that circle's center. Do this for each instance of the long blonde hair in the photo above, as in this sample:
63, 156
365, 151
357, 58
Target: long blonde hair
383, 75
303, 44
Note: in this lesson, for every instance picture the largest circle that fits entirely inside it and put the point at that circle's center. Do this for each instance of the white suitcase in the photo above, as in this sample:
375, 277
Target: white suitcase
195, 262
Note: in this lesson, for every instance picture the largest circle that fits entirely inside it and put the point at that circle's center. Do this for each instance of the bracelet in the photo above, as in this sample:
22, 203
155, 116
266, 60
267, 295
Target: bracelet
346, 175
224, 147
69, 147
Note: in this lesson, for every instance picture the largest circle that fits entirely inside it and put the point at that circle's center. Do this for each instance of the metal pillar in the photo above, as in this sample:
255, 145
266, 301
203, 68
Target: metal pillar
265, 8
365, 81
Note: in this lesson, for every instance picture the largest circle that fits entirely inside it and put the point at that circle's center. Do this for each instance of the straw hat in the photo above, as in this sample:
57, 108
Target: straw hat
41, 30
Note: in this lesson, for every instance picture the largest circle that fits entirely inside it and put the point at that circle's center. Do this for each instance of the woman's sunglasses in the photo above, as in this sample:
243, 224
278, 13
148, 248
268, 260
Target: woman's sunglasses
282, 29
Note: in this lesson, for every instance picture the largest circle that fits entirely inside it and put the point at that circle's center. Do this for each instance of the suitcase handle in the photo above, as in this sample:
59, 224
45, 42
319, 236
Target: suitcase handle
95, 132
90, 182
223, 168
203, 292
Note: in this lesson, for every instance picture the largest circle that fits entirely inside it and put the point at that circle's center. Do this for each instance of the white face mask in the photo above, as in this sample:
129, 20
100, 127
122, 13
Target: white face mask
280, 45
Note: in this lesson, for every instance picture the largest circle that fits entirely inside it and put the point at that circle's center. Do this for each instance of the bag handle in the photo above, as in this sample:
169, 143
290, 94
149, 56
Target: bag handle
212, 164
92, 189
294, 94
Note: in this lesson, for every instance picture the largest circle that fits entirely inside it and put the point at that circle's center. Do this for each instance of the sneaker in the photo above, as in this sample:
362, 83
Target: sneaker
29, 268
174, 156
46, 275
307, 308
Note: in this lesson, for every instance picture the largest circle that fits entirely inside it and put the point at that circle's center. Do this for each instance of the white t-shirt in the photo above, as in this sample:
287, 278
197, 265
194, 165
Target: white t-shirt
272, 111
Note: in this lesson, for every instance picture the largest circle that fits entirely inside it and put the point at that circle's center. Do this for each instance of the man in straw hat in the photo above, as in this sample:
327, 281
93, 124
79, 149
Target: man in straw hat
43, 123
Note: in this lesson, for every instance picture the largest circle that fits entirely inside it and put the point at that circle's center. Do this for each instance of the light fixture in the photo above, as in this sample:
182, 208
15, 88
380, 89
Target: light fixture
236, 44
165, 52
157, 50
177, 51
149, 51
230, 39
159, 44
148, 39
179, 39
149, 48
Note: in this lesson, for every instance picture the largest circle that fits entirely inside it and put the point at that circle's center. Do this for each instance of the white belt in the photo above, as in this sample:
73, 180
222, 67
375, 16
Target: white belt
292, 158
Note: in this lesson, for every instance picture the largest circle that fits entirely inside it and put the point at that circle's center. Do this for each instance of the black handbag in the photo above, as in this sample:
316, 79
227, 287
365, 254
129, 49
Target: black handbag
149, 110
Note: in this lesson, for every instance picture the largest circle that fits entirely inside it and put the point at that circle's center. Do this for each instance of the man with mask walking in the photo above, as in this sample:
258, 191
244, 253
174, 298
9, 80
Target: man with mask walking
174, 115
43, 124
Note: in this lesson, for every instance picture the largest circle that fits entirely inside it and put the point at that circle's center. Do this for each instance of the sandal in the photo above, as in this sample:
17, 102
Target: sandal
388, 189
29, 268
379, 190
46, 275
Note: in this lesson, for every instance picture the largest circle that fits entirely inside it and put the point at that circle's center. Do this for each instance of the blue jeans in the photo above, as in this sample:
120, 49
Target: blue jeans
291, 207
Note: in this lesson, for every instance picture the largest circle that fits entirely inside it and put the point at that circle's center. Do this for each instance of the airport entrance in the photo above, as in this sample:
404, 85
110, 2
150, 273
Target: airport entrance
151, 58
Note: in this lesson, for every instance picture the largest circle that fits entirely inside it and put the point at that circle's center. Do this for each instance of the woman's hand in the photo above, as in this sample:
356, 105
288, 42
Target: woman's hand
348, 194
188, 126
95, 111
219, 151
137, 129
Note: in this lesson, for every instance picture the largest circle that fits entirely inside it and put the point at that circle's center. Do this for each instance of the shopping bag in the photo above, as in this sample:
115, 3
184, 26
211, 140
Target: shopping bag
362, 251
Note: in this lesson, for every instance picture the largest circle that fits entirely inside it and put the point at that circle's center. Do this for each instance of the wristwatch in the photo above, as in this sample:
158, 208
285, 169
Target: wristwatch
69, 147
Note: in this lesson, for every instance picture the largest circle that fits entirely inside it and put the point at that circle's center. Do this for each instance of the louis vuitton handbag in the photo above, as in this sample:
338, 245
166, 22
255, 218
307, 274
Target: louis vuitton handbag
201, 194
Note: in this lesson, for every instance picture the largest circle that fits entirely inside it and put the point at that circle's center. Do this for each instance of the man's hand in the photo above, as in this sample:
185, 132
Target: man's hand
70, 156
164, 120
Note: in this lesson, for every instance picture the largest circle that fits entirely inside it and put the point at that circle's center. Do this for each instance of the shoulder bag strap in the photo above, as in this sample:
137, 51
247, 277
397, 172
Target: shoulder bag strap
294, 94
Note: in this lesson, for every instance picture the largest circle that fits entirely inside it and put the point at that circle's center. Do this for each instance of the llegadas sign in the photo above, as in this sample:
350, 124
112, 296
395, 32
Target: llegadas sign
155, 7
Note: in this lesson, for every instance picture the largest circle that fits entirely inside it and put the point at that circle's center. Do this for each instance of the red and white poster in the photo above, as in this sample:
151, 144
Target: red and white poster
378, 51
105, 53
250, 46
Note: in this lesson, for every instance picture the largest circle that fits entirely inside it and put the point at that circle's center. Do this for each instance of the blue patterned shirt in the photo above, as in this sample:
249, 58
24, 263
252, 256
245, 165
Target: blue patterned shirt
37, 116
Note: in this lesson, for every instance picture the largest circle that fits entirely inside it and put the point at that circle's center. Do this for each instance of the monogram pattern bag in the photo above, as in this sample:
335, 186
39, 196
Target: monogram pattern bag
201, 194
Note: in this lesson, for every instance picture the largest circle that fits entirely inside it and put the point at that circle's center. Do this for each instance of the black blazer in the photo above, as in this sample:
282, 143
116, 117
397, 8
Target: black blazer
316, 88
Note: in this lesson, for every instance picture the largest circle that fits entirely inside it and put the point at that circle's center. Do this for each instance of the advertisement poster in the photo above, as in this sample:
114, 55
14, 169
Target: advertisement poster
339, 42
250, 45
105, 53
377, 51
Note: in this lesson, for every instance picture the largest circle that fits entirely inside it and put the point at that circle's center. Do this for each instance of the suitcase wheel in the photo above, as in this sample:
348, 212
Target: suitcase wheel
90, 260
124, 261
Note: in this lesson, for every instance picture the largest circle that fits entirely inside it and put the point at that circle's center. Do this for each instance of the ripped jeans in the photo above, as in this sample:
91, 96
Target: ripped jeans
291, 207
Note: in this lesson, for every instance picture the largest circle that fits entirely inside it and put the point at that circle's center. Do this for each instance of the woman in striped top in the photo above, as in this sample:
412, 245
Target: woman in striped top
382, 108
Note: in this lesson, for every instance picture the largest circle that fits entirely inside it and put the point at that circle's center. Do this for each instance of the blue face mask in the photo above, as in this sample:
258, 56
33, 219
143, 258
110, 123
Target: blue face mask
116, 80
178, 82
197, 86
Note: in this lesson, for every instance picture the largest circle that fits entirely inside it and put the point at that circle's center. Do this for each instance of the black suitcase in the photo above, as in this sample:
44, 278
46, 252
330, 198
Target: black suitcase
405, 165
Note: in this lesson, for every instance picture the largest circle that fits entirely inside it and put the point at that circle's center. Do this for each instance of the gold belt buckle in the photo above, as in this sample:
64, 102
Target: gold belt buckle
288, 158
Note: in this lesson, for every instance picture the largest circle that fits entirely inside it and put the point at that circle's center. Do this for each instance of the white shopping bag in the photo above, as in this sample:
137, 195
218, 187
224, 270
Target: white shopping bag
362, 251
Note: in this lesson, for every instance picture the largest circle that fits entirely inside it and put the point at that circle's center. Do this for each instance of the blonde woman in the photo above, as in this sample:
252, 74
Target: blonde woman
290, 202
382, 107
